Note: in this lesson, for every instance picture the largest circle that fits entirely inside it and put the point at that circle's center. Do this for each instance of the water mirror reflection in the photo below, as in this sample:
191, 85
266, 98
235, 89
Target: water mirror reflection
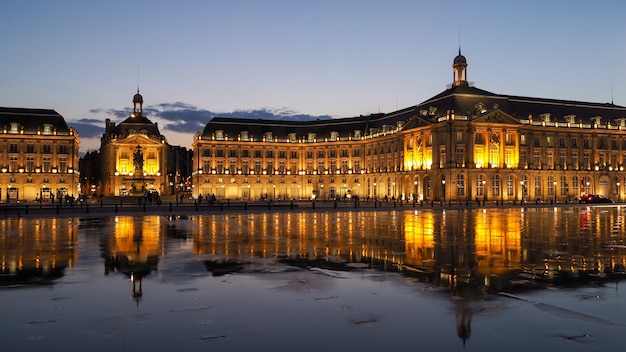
429, 279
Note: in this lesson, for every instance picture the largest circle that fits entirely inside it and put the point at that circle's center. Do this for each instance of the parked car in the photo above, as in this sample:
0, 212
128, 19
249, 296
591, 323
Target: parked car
595, 198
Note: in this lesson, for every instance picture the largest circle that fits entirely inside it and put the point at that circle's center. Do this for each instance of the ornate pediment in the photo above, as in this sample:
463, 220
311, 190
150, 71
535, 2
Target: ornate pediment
497, 116
138, 139
414, 122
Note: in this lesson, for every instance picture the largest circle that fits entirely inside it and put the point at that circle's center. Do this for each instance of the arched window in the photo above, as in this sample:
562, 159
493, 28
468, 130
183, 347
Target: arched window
460, 185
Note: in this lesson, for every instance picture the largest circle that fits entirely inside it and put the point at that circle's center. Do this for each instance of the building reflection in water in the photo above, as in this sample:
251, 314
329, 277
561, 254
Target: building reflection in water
36, 251
133, 248
468, 252
482, 248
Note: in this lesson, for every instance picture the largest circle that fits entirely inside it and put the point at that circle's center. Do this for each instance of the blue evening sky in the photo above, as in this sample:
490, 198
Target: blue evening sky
274, 58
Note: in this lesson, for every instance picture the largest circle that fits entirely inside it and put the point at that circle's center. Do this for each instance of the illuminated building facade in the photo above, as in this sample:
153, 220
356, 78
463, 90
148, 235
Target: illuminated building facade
39, 155
133, 155
461, 145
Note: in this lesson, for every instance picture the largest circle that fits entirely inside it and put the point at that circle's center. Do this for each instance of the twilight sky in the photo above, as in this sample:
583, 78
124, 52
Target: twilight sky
194, 60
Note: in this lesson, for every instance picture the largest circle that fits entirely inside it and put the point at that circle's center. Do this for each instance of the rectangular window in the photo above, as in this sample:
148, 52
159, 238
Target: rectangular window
459, 136
232, 153
30, 164
13, 148
13, 164
551, 186
538, 186
549, 160
219, 153
206, 152
30, 148
460, 185
63, 164
460, 157
62, 149
47, 165
563, 186
495, 185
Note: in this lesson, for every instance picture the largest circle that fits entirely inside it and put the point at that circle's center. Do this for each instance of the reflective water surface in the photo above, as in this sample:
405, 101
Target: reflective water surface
428, 280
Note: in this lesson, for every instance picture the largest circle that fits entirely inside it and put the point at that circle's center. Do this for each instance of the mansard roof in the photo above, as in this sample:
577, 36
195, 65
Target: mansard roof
282, 128
473, 102
136, 125
32, 121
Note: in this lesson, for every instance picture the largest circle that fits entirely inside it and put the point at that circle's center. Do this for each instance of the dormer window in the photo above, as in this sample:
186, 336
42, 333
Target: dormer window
219, 135
334, 136
545, 117
310, 137
268, 137
292, 137
570, 118
15, 127
245, 136
596, 120
357, 134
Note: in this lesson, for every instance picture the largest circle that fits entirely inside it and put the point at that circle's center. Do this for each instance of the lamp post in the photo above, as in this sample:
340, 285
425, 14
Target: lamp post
415, 194
618, 191
394, 189
588, 190
523, 191
554, 184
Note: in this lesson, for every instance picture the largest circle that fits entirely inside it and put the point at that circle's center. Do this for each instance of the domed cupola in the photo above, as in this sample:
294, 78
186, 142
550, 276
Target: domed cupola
459, 70
138, 104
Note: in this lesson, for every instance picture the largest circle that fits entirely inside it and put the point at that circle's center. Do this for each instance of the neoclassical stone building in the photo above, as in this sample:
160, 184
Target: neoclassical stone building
462, 144
133, 155
38, 156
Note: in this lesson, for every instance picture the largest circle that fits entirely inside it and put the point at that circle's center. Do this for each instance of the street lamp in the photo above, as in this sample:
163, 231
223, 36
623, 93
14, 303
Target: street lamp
554, 184
375, 196
415, 194
523, 191
588, 190
618, 191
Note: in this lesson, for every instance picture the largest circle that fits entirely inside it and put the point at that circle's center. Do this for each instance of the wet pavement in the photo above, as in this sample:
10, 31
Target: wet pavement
430, 280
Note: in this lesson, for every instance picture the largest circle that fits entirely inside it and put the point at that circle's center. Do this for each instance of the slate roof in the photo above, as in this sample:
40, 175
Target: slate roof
464, 100
282, 128
137, 124
33, 120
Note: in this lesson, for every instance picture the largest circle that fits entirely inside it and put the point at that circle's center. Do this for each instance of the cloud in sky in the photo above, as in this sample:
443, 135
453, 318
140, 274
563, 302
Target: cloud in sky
182, 117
